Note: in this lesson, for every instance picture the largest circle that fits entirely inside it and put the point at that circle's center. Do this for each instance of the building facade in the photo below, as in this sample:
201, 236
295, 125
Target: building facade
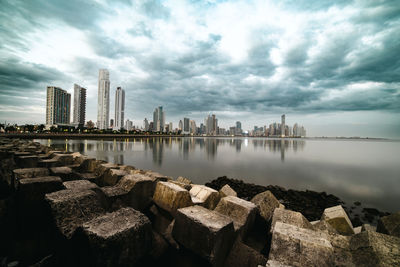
119, 108
283, 125
103, 100
158, 119
79, 105
58, 106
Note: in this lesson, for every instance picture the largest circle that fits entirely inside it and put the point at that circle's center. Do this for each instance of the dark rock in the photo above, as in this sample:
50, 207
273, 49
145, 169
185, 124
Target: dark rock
267, 203
65, 173
79, 185
243, 255
71, 208
115, 197
30, 161
120, 238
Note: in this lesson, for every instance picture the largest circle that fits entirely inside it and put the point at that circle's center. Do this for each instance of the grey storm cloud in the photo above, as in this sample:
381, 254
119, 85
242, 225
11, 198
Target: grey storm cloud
337, 55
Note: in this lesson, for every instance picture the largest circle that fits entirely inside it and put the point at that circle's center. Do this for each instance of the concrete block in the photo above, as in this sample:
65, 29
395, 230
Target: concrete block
64, 159
65, 173
30, 161
171, 197
204, 196
207, 233
79, 185
338, 219
243, 255
120, 238
290, 217
242, 212
140, 190
115, 197
71, 208
299, 246
267, 203
226, 190
184, 180
112, 176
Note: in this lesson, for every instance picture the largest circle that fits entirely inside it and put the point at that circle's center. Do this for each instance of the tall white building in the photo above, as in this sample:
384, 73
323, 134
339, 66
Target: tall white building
58, 106
103, 102
79, 105
211, 123
119, 108
158, 119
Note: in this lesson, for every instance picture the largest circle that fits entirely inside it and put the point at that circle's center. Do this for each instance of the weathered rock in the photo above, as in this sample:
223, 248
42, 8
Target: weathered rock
242, 212
338, 219
90, 164
30, 161
243, 255
290, 217
341, 250
184, 180
204, 196
205, 232
171, 197
64, 159
120, 238
368, 227
140, 190
112, 176
65, 173
375, 249
19, 174
163, 224
79, 185
157, 177
357, 230
389, 225
102, 168
71, 208
78, 157
90, 176
267, 203
297, 246
126, 168
226, 190
115, 197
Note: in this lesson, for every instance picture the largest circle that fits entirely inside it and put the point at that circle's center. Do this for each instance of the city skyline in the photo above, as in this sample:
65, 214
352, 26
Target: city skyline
329, 65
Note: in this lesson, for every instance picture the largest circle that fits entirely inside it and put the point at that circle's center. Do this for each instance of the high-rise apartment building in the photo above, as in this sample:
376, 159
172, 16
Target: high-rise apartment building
58, 106
145, 124
119, 108
180, 125
158, 119
79, 105
211, 123
238, 128
103, 99
186, 125
283, 126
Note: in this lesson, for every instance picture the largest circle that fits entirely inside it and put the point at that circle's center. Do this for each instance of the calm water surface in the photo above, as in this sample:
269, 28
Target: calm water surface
363, 170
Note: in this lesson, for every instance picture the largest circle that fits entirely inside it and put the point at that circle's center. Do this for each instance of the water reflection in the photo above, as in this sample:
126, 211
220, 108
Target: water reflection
186, 146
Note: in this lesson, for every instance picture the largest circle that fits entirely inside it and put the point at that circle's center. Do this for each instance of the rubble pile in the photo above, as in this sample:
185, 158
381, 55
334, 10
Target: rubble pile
66, 209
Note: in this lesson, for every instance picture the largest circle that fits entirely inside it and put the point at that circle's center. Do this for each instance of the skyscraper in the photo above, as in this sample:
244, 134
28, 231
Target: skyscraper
186, 125
103, 99
180, 125
238, 128
158, 119
119, 108
79, 105
283, 126
146, 124
211, 123
58, 106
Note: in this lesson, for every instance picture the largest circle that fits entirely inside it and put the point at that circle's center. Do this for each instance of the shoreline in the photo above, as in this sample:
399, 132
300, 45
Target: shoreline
127, 136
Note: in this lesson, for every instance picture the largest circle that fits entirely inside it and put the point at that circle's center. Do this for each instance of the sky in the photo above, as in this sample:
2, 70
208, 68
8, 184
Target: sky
332, 66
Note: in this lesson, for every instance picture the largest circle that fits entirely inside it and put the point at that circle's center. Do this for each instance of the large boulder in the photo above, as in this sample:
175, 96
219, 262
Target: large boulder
389, 225
140, 190
297, 246
34, 189
338, 219
370, 248
267, 203
204, 196
171, 197
120, 238
71, 208
29, 161
226, 190
242, 212
103, 167
290, 217
207, 233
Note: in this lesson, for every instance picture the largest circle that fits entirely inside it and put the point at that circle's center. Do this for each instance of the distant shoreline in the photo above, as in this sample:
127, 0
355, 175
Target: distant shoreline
124, 136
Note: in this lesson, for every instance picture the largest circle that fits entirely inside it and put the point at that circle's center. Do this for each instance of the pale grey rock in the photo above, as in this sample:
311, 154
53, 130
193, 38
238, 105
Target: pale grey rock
267, 203
171, 197
338, 219
226, 190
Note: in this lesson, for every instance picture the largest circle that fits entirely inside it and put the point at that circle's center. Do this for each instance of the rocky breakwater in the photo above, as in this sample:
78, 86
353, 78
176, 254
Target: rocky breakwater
66, 209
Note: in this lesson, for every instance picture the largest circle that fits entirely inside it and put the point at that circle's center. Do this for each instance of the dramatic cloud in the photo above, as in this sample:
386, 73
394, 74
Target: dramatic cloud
316, 61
